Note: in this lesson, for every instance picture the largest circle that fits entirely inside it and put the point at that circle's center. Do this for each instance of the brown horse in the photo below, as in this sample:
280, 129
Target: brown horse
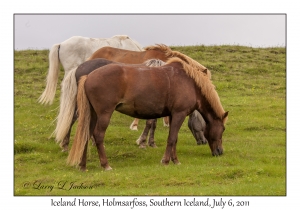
161, 52
143, 92
68, 116
69, 87
65, 123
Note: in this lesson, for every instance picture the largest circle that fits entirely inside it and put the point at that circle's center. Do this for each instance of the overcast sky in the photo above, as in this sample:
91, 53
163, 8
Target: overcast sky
41, 31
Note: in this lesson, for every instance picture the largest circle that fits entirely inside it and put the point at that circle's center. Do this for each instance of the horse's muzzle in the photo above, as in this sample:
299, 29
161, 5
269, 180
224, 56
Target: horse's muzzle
217, 152
200, 142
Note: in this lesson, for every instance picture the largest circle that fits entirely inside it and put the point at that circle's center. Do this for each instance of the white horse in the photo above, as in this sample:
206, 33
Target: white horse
74, 51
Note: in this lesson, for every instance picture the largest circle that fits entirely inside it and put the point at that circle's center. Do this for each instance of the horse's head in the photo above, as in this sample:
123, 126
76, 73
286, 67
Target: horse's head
213, 133
197, 126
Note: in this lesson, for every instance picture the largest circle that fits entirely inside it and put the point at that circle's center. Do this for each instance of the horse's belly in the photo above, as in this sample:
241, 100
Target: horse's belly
142, 111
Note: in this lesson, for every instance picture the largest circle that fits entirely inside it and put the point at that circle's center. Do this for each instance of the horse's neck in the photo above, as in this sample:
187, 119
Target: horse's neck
206, 110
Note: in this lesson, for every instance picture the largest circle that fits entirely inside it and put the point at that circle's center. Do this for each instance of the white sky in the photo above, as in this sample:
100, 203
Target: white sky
41, 31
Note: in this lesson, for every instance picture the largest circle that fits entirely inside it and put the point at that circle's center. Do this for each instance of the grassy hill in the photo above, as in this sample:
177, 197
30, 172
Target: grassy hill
251, 83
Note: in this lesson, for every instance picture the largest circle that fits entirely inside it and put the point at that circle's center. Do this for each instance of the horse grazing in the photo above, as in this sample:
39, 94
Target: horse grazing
197, 126
74, 51
65, 122
161, 52
67, 113
143, 92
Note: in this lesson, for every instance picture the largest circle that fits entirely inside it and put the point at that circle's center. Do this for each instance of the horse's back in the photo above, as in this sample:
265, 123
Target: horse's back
125, 42
88, 66
128, 56
77, 49
119, 55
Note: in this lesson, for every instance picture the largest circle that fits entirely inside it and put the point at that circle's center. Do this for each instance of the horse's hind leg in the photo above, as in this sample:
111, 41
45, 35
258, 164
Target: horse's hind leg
143, 137
82, 163
151, 142
99, 133
166, 121
202, 137
134, 124
65, 143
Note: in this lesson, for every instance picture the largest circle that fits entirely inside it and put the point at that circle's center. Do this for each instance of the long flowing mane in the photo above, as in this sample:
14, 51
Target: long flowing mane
170, 53
204, 83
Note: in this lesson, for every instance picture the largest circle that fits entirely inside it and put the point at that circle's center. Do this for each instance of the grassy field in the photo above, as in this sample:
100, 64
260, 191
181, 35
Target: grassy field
251, 83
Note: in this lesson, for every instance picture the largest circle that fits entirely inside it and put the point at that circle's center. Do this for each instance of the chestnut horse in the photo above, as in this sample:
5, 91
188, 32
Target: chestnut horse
67, 115
143, 92
69, 85
65, 123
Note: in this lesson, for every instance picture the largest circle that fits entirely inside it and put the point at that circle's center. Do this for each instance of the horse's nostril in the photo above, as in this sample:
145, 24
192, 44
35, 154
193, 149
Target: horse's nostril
220, 151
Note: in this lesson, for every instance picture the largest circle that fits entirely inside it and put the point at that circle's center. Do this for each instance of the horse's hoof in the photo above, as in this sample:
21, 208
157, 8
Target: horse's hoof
65, 149
108, 168
153, 145
163, 162
134, 128
138, 141
142, 146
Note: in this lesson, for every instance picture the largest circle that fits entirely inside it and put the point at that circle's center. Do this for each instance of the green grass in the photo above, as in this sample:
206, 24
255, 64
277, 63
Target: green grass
251, 83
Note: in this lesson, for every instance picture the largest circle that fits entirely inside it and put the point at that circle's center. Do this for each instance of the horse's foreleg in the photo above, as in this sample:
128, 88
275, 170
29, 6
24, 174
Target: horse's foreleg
175, 123
151, 142
143, 137
99, 133
134, 124
174, 155
65, 143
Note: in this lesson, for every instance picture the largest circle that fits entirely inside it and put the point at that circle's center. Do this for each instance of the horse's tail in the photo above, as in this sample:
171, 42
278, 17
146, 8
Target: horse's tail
66, 107
52, 77
83, 128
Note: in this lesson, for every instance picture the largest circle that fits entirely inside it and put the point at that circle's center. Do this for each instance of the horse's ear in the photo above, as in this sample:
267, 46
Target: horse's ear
225, 114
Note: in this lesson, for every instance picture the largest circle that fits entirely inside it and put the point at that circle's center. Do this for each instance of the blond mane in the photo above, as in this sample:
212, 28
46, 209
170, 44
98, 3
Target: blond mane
170, 53
204, 83
196, 71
